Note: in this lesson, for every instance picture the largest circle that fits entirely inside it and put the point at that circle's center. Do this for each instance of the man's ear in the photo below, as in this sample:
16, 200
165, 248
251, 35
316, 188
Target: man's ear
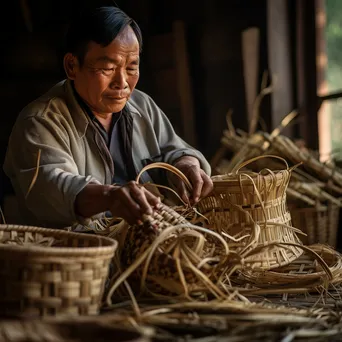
71, 64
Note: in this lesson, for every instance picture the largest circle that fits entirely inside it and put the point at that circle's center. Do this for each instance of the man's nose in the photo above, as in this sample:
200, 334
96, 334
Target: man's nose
119, 79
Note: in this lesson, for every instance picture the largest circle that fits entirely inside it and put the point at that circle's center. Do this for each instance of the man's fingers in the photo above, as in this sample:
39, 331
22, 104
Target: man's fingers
130, 206
138, 194
182, 191
196, 180
128, 216
207, 185
153, 200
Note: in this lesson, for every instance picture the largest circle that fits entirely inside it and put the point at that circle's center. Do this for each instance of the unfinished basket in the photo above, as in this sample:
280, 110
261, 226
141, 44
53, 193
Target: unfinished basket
250, 210
48, 272
167, 255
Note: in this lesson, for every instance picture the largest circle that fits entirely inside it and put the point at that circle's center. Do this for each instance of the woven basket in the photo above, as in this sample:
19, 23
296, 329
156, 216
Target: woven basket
319, 223
47, 272
250, 209
318, 265
73, 331
167, 255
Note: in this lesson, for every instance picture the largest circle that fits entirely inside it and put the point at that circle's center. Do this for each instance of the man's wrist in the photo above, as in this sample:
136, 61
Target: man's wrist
187, 161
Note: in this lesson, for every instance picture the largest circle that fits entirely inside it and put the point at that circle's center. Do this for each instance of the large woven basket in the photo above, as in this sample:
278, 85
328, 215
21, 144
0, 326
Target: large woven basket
250, 209
319, 223
36, 330
47, 272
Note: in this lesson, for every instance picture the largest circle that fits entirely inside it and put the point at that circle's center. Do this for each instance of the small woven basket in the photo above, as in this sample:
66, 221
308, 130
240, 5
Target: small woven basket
250, 209
48, 272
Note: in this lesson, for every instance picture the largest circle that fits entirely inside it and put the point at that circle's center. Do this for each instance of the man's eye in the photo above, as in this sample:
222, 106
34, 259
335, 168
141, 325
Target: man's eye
107, 71
132, 70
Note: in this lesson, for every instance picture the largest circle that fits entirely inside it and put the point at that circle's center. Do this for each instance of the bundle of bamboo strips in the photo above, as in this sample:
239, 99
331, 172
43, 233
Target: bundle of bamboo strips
314, 190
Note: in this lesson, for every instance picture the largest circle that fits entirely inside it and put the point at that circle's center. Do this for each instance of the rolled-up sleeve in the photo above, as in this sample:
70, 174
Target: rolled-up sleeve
58, 182
171, 145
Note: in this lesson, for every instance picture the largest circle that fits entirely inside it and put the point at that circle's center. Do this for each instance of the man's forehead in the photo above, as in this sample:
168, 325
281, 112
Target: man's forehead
110, 54
117, 58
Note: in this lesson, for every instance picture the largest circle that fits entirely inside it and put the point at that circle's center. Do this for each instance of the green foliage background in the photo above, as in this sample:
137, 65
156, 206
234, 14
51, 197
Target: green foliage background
333, 33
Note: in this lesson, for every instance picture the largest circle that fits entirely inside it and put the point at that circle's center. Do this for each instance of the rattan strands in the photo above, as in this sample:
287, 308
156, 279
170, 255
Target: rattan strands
168, 256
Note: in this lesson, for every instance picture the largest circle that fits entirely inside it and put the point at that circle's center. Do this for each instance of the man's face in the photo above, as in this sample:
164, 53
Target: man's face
109, 74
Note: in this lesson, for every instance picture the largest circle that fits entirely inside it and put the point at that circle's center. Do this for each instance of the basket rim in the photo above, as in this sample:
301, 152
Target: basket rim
110, 248
232, 177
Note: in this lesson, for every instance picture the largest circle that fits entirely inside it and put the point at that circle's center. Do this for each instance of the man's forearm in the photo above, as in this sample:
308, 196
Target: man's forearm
92, 200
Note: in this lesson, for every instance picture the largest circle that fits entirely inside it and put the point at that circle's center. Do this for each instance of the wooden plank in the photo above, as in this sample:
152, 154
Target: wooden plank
250, 56
279, 61
184, 82
306, 71
324, 111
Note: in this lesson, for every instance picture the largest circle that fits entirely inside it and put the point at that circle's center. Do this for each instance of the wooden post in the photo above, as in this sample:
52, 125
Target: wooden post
306, 71
324, 114
279, 61
184, 82
250, 56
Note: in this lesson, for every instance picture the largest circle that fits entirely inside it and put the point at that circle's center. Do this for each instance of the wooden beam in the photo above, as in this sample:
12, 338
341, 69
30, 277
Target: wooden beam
279, 55
184, 82
306, 71
250, 56
324, 111
331, 96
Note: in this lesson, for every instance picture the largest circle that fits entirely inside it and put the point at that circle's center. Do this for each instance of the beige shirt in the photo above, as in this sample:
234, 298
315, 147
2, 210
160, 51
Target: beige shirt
74, 154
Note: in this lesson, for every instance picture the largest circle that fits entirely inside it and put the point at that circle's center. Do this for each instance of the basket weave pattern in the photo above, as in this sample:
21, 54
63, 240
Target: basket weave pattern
169, 262
319, 223
304, 271
241, 200
59, 280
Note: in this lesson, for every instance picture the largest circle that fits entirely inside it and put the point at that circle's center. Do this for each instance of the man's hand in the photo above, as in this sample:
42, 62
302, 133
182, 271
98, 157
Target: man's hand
129, 202
200, 181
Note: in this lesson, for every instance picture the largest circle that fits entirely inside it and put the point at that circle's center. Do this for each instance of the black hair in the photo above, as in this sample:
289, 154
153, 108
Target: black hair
100, 25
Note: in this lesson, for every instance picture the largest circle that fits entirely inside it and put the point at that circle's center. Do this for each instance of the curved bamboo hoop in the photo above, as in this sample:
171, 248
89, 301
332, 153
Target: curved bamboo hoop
167, 167
249, 161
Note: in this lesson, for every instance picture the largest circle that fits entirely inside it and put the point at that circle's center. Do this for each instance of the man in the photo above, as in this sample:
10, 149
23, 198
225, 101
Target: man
94, 130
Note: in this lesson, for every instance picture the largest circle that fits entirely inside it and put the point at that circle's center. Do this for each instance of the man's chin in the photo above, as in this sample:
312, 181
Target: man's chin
117, 107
